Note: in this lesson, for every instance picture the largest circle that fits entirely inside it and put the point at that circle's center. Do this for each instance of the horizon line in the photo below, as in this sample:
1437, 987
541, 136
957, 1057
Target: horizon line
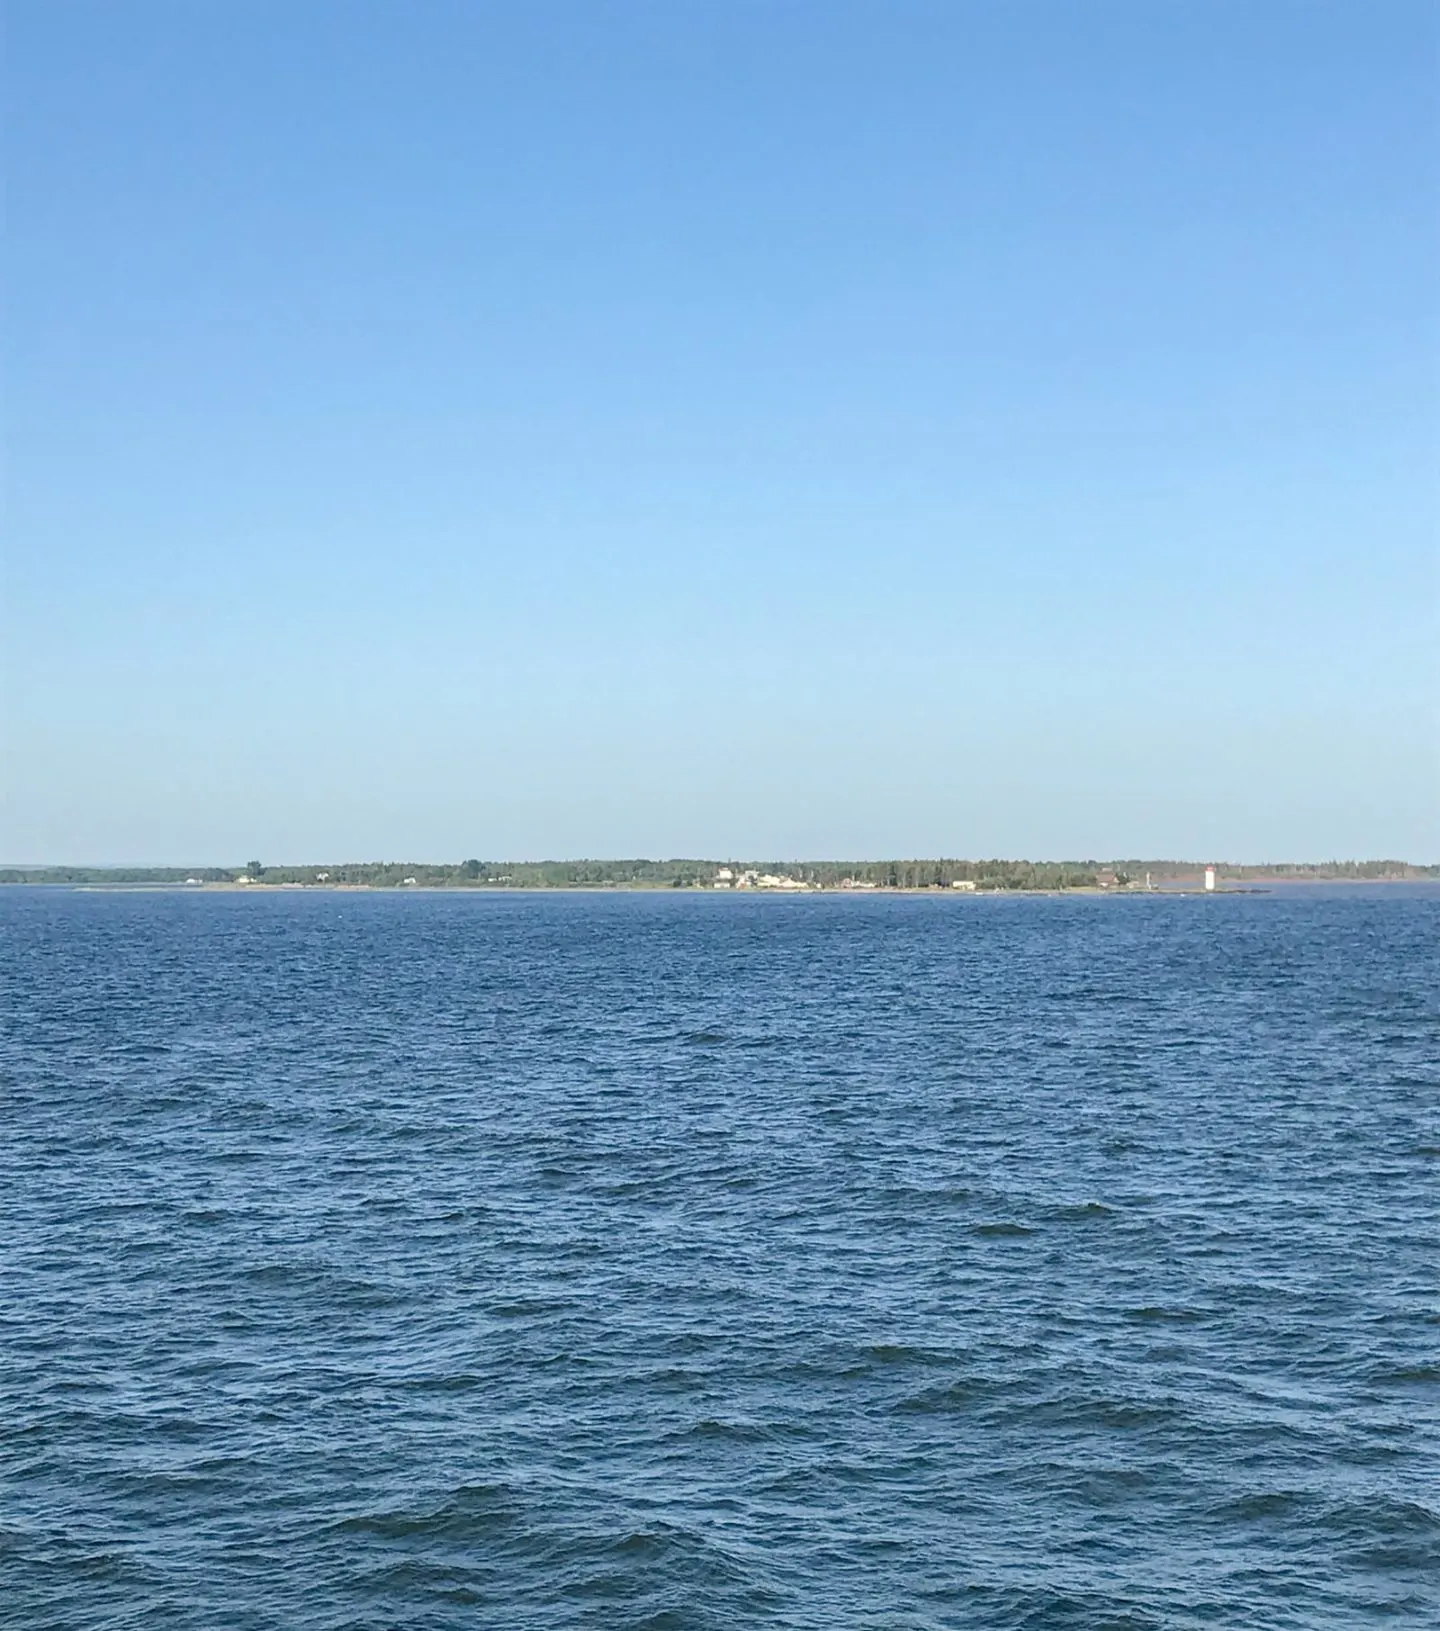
721, 861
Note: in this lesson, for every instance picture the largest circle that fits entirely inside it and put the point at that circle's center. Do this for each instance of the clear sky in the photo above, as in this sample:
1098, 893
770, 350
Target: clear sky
778, 429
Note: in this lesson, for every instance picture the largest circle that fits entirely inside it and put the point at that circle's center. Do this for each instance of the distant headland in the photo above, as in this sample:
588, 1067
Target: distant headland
901, 876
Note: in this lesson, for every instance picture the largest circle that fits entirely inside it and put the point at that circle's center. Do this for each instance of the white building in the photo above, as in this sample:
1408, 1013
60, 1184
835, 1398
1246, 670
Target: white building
1209, 877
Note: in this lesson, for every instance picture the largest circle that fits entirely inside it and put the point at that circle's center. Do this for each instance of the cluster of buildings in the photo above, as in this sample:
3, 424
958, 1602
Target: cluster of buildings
728, 878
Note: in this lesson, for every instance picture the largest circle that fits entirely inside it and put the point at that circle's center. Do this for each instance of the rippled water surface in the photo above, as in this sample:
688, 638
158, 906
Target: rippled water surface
684, 1261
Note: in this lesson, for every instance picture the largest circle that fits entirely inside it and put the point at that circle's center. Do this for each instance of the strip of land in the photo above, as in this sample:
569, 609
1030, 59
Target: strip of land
963, 876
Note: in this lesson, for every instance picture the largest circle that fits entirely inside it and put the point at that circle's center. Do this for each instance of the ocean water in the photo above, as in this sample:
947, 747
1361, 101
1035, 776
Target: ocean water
652, 1260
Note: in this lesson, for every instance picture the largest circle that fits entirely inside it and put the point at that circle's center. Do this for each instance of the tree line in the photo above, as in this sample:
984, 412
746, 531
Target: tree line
994, 874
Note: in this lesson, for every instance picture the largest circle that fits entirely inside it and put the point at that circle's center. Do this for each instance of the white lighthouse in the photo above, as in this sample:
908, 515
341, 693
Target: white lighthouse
1209, 880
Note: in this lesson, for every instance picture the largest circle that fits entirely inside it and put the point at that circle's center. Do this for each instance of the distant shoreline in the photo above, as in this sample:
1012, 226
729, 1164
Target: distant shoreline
1172, 888
913, 876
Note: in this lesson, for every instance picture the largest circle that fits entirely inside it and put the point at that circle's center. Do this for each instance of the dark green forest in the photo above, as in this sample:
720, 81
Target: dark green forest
996, 874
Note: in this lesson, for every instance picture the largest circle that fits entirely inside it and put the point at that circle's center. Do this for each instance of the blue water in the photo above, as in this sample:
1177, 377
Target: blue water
658, 1260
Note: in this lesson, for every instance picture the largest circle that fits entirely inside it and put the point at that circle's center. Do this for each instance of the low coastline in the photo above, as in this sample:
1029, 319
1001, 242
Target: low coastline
1170, 890
950, 877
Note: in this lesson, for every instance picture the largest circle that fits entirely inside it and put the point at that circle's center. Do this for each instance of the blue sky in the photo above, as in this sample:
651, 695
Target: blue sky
733, 428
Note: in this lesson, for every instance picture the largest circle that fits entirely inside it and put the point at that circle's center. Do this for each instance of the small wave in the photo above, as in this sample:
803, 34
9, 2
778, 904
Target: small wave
712, 1428
1127, 1415
459, 1382
947, 1400
1386, 1535
1260, 1506
529, 1308
677, 1380
1084, 1212
900, 1353
466, 1513
1407, 1376
1042, 1608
